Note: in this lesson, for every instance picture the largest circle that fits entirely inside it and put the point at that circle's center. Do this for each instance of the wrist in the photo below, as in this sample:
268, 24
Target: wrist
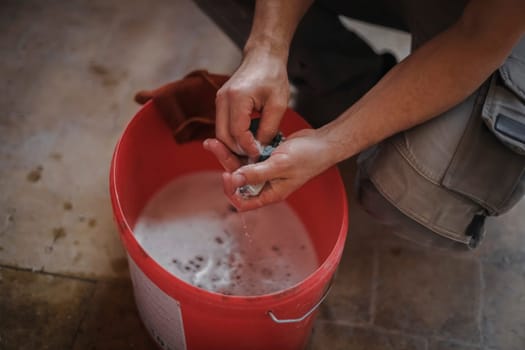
337, 143
266, 45
324, 153
265, 59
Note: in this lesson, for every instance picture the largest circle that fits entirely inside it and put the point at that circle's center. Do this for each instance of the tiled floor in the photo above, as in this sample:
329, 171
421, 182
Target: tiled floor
69, 70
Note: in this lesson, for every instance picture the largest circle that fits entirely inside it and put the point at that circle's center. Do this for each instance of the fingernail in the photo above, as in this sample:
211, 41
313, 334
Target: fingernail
206, 143
238, 179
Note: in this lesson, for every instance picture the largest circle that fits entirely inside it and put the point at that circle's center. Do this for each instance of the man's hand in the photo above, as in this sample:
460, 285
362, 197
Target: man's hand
260, 84
293, 163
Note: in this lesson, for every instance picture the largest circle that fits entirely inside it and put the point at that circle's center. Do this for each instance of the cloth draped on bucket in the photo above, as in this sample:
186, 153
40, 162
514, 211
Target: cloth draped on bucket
187, 105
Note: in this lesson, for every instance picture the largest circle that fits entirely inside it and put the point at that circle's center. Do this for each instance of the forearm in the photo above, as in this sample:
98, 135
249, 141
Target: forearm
433, 79
274, 24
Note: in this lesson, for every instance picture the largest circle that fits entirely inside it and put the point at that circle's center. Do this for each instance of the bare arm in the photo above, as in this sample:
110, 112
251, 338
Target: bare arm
274, 24
442, 73
261, 81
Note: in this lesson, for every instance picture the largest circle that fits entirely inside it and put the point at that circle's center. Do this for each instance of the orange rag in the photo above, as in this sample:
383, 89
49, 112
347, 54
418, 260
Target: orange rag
187, 105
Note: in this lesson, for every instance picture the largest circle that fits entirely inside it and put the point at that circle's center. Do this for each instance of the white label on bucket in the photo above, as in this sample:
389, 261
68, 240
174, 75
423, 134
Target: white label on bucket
160, 313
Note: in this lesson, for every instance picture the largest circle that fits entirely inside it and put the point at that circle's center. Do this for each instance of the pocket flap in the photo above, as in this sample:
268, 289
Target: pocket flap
513, 70
504, 108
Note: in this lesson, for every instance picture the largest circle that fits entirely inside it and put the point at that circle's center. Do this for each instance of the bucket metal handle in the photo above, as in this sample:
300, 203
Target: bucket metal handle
302, 318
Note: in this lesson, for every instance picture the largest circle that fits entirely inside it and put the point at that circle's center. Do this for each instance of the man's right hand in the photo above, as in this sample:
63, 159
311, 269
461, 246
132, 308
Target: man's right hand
260, 85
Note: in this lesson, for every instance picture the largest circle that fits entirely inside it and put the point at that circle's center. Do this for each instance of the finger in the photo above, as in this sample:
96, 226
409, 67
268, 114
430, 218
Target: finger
228, 160
272, 115
246, 141
261, 172
272, 193
229, 188
222, 119
241, 109
143, 96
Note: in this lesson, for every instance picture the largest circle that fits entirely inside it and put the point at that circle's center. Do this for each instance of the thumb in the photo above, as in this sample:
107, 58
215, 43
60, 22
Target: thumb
256, 173
143, 96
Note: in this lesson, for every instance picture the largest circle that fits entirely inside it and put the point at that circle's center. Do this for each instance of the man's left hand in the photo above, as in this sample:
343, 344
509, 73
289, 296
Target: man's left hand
302, 156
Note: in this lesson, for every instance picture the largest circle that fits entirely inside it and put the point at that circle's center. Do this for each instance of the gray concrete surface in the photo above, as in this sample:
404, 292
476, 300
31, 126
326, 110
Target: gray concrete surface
69, 70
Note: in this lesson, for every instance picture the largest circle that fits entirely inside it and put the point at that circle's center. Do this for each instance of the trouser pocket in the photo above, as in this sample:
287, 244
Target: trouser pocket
489, 163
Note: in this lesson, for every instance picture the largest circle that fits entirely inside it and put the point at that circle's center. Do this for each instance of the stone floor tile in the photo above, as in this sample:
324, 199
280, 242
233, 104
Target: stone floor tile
56, 209
504, 305
340, 337
58, 31
159, 48
14, 25
351, 294
427, 293
112, 320
67, 92
40, 311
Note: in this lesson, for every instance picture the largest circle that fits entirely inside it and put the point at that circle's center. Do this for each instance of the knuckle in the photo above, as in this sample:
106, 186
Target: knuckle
250, 172
234, 92
219, 96
278, 101
280, 106
268, 129
282, 162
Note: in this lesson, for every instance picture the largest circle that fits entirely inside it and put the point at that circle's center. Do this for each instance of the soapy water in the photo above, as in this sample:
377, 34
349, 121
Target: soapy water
191, 230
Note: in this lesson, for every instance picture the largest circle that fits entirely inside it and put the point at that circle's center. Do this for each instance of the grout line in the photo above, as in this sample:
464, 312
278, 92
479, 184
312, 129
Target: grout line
481, 303
427, 343
374, 328
346, 323
395, 332
84, 315
374, 286
455, 341
54, 274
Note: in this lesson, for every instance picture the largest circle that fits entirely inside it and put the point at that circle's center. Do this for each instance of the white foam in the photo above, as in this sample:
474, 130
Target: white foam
190, 229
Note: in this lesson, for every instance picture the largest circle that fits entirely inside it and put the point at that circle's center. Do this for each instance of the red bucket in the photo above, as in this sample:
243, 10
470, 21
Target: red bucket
181, 316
